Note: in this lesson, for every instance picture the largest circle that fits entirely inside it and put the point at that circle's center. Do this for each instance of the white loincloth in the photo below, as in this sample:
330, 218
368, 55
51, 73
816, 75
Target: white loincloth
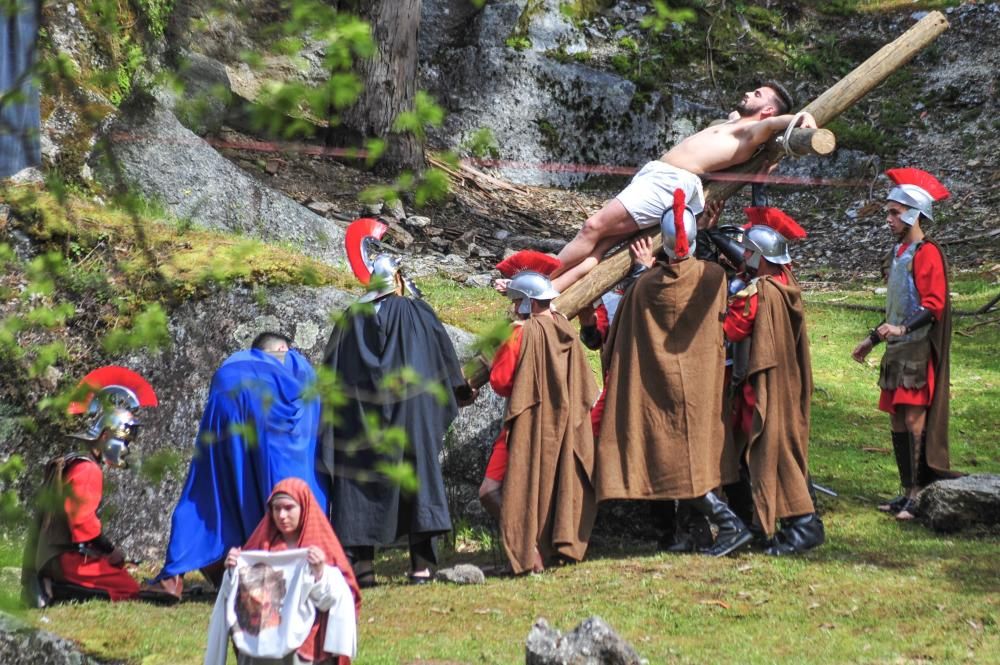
651, 192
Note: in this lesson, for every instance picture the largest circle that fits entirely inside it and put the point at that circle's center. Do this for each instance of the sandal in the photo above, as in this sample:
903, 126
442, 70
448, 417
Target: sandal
893, 506
908, 511
420, 579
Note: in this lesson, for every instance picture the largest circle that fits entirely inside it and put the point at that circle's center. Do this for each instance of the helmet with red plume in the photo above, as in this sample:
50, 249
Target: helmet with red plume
917, 190
678, 228
529, 272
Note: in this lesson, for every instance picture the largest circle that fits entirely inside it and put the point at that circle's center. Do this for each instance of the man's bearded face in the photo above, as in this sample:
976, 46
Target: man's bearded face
753, 101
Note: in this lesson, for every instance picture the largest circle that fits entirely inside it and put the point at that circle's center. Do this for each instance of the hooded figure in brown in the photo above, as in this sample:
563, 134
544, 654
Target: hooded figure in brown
544, 497
662, 435
773, 402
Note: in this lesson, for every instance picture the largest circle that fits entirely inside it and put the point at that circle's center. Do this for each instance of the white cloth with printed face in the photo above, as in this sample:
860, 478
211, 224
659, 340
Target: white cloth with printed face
268, 603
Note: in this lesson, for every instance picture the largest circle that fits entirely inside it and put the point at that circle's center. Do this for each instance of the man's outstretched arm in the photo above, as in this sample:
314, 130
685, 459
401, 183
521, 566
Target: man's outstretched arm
763, 130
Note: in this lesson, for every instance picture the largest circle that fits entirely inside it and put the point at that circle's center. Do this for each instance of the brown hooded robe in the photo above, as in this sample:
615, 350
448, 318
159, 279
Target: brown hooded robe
548, 499
662, 434
780, 372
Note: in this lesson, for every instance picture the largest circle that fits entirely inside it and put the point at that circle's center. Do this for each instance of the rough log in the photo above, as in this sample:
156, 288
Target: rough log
837, 99
812, 142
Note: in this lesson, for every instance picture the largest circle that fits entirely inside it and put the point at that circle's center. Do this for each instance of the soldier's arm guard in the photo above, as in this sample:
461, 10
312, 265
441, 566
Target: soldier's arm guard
728, 247
873, 335
920, 318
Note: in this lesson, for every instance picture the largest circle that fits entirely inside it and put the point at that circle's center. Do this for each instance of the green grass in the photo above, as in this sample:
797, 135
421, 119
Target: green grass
877, 592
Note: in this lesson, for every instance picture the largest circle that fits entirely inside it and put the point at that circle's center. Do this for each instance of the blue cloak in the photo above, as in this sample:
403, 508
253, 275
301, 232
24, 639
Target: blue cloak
257, 429
19, 111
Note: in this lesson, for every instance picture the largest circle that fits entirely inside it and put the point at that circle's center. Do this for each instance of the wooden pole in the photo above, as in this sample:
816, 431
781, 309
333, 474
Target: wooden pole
837, 99
811, 142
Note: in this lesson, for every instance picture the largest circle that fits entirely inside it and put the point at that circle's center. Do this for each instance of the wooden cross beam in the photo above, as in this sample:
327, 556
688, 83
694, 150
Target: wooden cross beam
837, 99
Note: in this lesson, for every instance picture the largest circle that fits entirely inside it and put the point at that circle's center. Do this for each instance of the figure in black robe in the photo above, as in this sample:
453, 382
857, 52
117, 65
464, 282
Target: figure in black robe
401, 343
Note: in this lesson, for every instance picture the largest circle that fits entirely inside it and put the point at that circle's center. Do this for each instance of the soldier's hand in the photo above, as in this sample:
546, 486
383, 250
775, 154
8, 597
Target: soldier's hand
232, 557
862, 350
641, 251
709, 217
887, 330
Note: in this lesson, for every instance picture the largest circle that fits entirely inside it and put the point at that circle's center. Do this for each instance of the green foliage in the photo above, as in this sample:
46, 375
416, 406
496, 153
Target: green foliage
426, 113
664, 16
148, 331
156, 14
518, 43
482, 143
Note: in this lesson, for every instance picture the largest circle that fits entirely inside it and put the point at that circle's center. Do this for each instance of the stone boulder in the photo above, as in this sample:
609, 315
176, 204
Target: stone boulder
970, 501
540, 109
593, 642
166, 162
21, 644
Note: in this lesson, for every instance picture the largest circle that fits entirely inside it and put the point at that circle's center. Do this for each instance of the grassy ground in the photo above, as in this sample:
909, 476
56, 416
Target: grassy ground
877, 592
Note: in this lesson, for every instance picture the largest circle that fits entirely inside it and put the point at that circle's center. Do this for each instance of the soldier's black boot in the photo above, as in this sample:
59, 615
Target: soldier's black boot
690, 531
902, 450
797, 534
732, 532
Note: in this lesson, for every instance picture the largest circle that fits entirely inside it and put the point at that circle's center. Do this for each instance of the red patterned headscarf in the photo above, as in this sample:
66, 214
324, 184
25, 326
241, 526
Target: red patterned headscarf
314, 529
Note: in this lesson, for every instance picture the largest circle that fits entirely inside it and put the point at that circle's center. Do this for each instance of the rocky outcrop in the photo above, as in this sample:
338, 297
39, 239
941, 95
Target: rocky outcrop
202, 333
166, 162
970, 501
21, 644
540, 109
593, 642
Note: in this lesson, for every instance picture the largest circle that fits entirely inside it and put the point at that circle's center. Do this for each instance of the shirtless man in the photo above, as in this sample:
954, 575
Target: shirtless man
759, 115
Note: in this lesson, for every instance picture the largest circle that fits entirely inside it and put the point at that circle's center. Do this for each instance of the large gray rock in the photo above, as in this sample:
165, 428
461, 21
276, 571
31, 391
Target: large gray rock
167, 162
952, 505
539, 109
593, 642
21, 644
203, 332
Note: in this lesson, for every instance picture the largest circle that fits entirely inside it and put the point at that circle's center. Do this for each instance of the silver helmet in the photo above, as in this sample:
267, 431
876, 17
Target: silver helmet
916, 199
530, 285
112, 431
668, 231
763, 241
383, 278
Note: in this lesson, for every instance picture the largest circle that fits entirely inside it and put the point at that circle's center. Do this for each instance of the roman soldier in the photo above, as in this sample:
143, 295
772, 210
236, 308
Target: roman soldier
774, 385
914, 372
397, 368
69, 555
538, 480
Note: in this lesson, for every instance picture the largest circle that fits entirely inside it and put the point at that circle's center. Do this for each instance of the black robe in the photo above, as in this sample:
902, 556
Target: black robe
367, 507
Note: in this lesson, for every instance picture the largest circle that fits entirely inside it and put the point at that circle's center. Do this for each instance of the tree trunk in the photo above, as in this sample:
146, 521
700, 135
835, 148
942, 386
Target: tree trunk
390, 80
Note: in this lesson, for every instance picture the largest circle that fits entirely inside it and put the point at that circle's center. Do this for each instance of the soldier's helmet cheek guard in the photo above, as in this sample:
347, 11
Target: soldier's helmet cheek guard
763, 241
917, 202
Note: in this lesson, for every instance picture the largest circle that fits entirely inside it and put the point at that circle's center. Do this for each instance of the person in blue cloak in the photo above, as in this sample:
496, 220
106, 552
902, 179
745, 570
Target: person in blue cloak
372, 350
259, 427
20, 144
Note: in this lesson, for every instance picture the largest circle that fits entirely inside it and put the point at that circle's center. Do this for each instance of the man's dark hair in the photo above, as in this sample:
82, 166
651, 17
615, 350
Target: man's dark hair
266, 340
786, 103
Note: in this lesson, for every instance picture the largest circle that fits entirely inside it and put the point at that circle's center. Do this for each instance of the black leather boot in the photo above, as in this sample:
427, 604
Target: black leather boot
797, 534
739, 496
691, 532
733, 533
902, 450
